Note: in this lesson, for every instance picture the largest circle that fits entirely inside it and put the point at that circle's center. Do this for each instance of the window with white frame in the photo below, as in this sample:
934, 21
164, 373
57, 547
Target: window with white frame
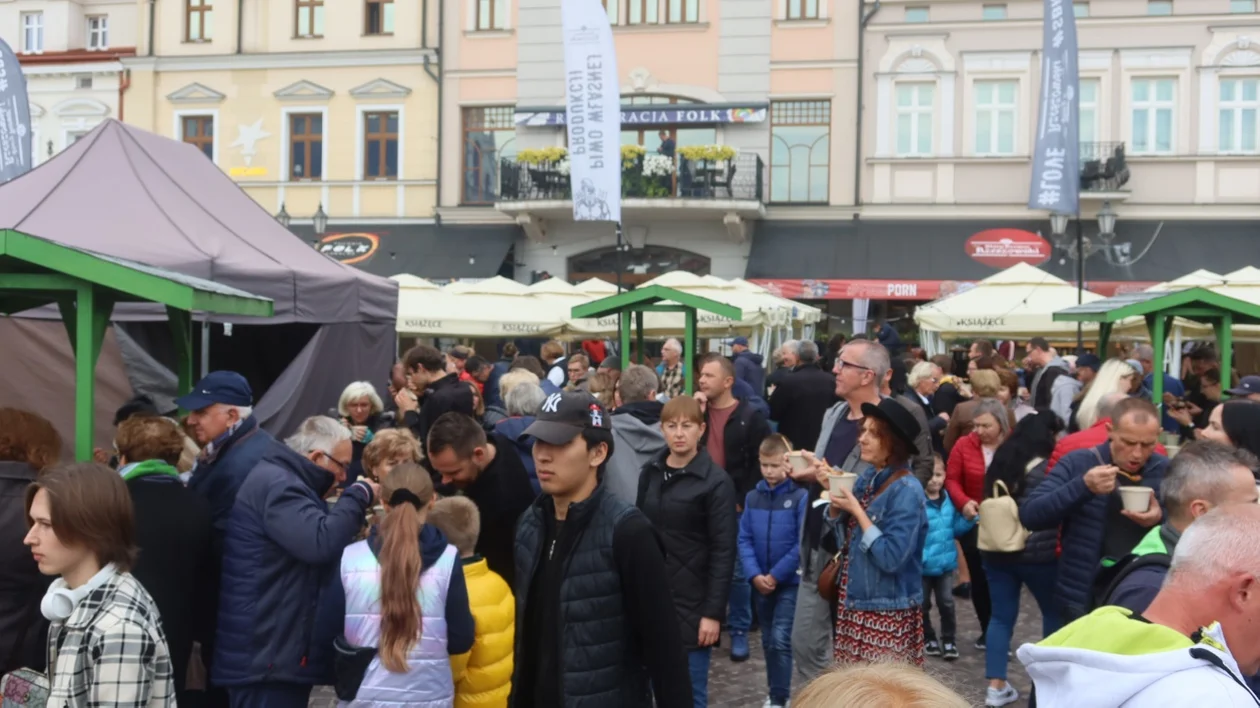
803, 10
1159, 7
1090, 119
995, 108
1152, 107
491, 15
32, 32
1080, 9
916, 14
98, 32
915, 103
1242, 6
993, 12
1239, 108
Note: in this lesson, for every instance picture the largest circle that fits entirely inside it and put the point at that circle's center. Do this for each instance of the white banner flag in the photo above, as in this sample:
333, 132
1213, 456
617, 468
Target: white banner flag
593, 107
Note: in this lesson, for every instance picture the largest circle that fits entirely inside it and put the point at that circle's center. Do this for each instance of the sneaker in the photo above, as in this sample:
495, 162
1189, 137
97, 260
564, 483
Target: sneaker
963, 590
998, 697
951, 651
980, 642
739, 647
932, 648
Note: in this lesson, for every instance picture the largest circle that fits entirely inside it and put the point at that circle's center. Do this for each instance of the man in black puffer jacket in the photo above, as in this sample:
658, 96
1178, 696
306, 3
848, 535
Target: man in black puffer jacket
595, 625
691, 503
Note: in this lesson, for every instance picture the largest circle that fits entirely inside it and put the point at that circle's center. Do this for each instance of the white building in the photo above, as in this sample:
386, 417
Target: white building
70, 52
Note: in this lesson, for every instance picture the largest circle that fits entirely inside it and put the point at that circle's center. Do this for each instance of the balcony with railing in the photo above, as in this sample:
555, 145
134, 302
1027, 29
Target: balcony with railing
1104, 170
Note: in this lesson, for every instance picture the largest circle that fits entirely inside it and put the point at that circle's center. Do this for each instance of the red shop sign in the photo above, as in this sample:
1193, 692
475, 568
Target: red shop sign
1003, 248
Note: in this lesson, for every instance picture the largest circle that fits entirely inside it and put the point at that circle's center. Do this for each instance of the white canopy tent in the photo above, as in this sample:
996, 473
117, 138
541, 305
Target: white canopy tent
497, 307
1016, 303
1243, 284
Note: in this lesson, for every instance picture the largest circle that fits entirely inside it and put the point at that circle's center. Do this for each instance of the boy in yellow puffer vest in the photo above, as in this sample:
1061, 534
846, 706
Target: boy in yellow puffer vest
487, 680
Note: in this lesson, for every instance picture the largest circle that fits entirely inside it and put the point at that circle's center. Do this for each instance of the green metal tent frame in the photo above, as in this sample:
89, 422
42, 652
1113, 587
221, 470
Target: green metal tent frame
656, 298
1159, 309
85, 286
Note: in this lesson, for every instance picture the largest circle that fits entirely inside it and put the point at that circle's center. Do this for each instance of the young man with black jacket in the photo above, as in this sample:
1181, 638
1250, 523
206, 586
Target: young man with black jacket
733, 433
430, 392
595, 624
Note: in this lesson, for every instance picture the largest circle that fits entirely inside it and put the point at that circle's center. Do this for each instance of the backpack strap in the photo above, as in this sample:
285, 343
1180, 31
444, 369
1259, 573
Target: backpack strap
1130, 565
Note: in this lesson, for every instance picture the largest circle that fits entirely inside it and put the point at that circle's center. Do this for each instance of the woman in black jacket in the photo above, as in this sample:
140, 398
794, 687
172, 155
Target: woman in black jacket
361, 410
1020, 465
691, 502
28, 444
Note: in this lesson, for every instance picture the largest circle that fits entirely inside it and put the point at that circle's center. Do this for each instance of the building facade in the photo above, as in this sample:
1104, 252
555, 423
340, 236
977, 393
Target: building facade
1170, 165
71, 53
309, 105
733, 110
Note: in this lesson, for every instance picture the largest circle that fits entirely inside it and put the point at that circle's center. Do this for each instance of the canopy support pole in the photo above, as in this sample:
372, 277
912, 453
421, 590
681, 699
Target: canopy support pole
638, 321
181, 331
1104, 338
1225, 341
1158, 337
91, 317
689, 371
623, 325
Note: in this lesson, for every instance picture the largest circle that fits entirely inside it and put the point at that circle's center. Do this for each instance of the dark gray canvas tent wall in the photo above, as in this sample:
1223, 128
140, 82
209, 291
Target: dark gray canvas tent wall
125, 192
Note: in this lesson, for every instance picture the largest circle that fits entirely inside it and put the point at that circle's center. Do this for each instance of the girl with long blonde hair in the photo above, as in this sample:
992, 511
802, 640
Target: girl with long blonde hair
1115, 376
405, 596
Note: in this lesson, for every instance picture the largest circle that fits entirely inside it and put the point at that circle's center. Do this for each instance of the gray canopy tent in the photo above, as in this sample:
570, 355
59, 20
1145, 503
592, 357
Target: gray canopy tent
127, 193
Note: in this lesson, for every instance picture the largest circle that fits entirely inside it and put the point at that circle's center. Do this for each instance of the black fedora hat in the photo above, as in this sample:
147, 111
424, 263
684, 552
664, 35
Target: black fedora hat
898, 418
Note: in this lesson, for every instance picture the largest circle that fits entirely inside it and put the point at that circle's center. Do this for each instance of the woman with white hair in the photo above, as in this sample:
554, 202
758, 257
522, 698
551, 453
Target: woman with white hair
1115, 376
360, 409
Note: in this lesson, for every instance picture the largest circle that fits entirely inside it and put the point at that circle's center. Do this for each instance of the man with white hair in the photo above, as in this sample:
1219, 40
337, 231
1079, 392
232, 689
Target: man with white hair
1193, 646
221, 420
671, 371
1203, 476
283, 544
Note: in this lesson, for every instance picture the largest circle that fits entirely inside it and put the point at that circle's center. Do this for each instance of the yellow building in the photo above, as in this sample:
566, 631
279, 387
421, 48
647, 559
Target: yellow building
305, 103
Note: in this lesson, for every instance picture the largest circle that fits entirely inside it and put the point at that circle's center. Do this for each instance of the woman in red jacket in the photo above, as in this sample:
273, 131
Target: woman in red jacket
964, 480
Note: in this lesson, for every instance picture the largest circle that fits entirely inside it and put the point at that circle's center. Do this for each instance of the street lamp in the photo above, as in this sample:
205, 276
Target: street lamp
283, 216
1058, 224
320, 220
1106, 221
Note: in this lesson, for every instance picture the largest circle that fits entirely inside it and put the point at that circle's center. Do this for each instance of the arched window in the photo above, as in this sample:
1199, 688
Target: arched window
638, 265
649, 135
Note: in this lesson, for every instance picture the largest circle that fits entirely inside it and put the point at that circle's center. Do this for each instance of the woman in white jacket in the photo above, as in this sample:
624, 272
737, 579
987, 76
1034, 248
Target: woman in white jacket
404, 594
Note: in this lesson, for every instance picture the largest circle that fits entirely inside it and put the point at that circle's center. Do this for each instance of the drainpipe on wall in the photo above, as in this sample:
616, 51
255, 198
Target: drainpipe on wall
152, 20
437, 78
123, 85
864, 19
240, 26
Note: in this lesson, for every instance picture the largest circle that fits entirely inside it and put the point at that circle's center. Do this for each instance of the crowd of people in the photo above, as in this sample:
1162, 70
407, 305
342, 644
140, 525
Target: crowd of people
564, 530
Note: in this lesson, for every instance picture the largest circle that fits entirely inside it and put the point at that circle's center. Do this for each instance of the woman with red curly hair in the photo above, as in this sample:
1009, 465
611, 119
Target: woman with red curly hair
28, 444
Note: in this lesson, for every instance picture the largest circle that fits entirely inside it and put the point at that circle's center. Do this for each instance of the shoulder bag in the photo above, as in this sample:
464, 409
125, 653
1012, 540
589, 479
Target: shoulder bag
24, 688
350, 665
1000, 530
829, 579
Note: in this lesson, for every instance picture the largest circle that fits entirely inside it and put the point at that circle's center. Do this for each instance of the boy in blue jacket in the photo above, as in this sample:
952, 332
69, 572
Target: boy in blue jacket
940, 560
769, 548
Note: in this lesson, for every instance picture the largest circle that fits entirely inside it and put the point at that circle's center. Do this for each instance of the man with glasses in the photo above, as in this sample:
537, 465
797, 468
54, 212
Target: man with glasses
283, 543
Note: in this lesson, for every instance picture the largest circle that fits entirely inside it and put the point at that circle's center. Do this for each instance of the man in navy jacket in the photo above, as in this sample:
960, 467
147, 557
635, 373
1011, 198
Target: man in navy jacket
1081, 496
283, 544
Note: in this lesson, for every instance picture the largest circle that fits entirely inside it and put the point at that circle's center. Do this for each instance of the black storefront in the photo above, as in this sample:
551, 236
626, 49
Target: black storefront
432, 251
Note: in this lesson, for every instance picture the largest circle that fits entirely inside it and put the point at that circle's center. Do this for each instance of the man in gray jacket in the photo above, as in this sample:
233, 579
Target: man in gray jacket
636, 430
1053, 386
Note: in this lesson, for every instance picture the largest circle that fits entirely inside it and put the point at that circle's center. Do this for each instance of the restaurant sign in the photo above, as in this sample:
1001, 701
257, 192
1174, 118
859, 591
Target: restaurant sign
349, 248
686, 114
1003, 248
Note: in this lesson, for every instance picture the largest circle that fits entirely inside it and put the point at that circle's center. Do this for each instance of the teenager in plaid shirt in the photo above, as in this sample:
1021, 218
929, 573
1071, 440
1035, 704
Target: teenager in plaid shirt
105, 645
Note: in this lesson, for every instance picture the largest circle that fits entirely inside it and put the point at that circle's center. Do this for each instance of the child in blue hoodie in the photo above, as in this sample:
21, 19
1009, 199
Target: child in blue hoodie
769, 548
940, 560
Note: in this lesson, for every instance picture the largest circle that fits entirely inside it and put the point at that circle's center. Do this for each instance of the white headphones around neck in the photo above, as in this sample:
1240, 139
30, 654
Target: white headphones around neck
59, 602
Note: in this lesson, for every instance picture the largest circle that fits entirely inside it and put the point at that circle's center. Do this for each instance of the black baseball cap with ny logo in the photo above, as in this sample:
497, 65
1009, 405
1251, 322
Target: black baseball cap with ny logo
563, 416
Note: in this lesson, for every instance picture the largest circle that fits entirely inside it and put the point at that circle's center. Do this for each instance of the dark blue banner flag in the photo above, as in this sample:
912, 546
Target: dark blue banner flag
1056, 182
15, 118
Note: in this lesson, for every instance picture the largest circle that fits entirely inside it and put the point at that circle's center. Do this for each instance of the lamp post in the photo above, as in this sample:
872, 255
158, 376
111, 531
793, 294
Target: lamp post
320, 220
1058, 227
283, 216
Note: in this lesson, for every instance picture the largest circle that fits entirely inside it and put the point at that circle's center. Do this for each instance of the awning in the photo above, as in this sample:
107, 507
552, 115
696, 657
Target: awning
923, 260
424, 250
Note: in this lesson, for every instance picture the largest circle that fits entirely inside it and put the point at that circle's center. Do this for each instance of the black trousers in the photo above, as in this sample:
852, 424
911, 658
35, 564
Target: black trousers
979, 583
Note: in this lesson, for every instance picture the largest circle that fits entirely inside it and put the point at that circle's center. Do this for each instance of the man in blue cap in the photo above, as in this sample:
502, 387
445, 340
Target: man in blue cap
749, 365
221, 420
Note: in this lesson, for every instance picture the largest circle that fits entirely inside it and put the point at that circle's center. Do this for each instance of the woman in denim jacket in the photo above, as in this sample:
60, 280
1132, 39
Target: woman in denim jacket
880, 529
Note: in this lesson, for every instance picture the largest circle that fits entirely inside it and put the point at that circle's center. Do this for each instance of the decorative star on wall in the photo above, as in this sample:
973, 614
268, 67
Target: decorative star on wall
247, 139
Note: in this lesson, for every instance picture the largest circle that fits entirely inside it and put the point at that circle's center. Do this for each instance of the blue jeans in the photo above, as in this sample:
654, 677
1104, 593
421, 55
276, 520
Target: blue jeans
270, 695
1005, 580
739, 611
698, 665
776, 611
